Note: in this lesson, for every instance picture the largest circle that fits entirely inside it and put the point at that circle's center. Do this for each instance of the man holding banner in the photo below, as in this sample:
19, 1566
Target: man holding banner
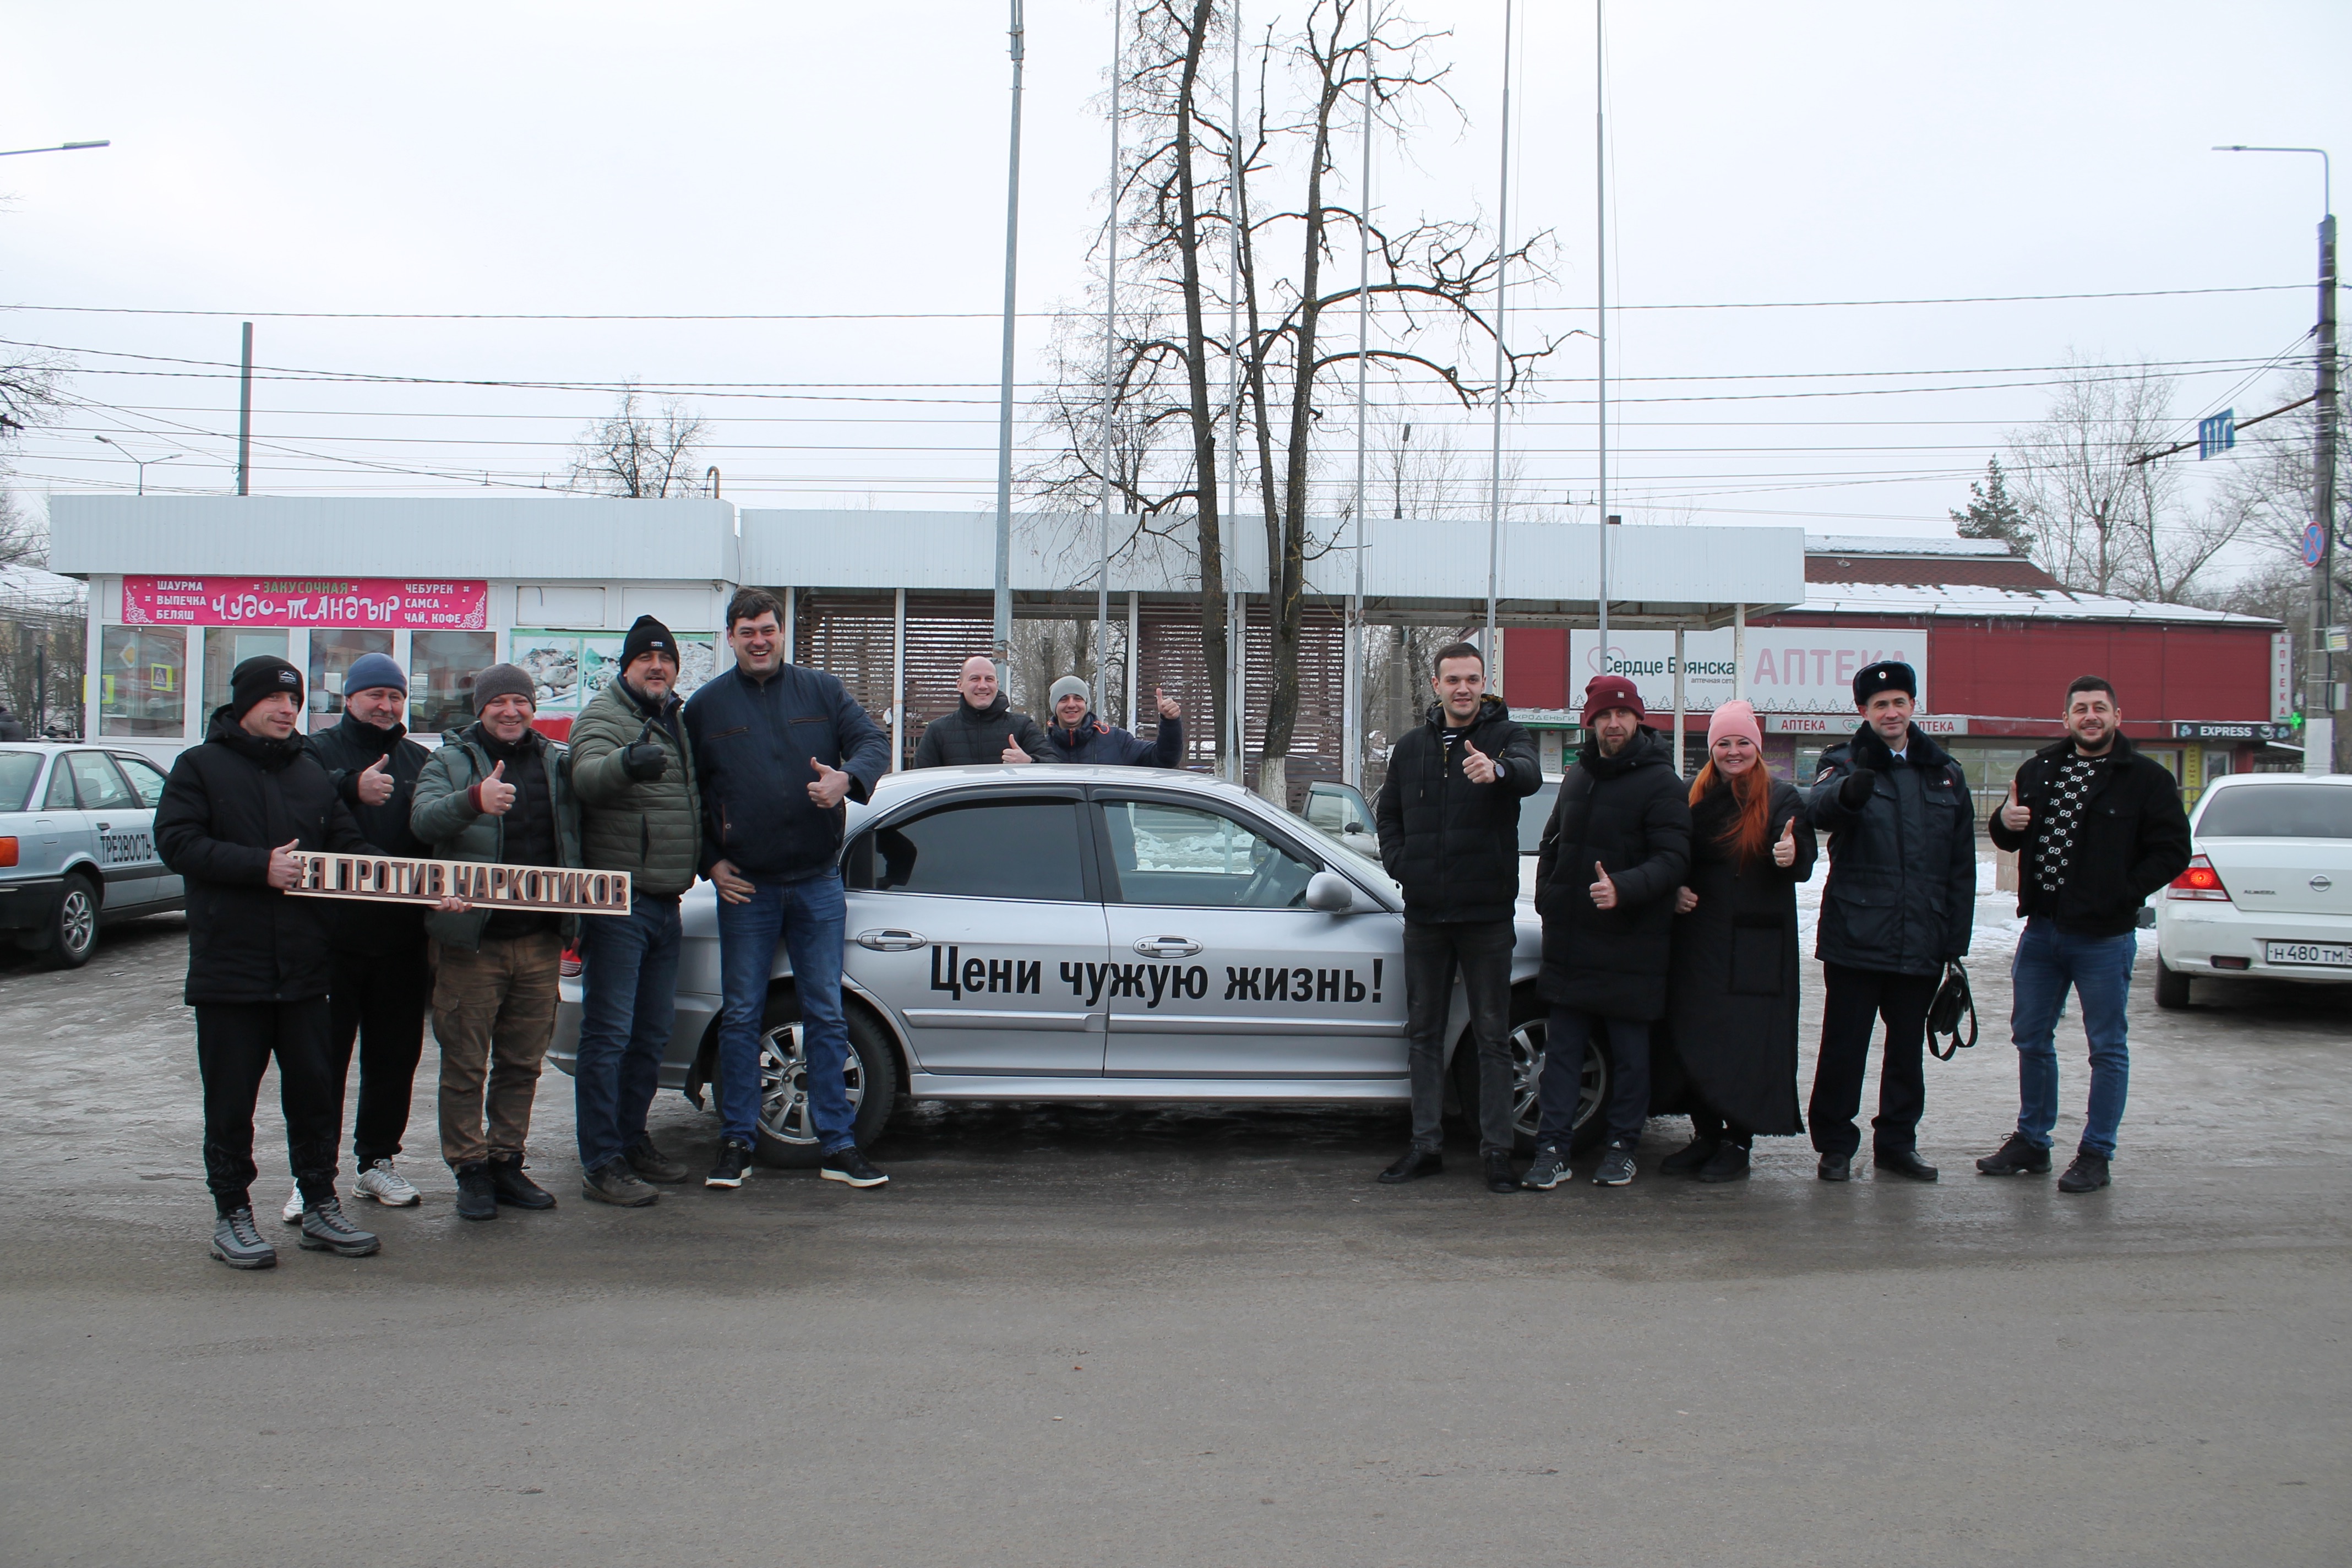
499, 792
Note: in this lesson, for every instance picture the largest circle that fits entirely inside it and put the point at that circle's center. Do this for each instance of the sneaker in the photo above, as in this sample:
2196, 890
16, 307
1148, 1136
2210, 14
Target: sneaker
324, 1229
477, 1199
508, 1185
1688, 1160
1548, 1169
2020, 1156
239, 1245
849, 1165
613, 1183
1729, 1163
1413, 1165
388, 1186
2088, 1173
652, 1165
292, 1212
734, 1164
1616, 1168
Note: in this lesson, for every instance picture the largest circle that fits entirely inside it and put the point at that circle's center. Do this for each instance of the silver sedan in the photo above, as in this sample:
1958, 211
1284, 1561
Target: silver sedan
1095, 934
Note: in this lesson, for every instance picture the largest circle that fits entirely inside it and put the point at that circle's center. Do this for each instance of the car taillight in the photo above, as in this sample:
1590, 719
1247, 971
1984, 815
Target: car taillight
7, 851
2199, 881
571, 966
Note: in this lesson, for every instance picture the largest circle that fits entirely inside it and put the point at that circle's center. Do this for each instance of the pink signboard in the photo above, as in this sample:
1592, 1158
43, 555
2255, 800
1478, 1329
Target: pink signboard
386, 601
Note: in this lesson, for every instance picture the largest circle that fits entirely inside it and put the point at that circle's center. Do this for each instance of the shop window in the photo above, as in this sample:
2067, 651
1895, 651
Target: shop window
142, 682
226, 647
332, 655
441, 670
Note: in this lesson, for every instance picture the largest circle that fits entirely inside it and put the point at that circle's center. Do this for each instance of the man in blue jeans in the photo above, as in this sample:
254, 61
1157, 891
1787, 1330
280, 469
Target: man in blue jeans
2096, 827
779, 748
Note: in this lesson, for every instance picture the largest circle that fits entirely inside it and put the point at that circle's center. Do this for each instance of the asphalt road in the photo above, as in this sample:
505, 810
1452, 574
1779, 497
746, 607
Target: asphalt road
1185, 1336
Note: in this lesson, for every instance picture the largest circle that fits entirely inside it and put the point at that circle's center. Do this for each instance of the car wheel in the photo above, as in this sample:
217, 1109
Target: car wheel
2171, 985
788, 1136
73, 925
1530, 1013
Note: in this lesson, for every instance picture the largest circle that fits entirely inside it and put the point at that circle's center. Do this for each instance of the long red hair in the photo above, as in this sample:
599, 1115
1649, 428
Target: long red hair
1750, 833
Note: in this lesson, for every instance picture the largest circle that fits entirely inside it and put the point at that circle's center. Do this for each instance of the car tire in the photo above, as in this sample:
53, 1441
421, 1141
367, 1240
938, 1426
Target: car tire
786, 1139
2171, 985
1529, 1017
73, 923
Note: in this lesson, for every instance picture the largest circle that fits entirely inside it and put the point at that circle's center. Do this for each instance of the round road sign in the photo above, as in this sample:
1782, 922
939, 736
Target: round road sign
2314, 544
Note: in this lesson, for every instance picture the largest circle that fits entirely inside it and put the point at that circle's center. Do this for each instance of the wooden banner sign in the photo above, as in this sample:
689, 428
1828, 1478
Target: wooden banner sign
387, 879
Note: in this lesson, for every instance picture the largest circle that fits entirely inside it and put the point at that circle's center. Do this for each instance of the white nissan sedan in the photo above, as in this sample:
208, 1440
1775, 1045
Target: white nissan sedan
1095, 934
2268, 892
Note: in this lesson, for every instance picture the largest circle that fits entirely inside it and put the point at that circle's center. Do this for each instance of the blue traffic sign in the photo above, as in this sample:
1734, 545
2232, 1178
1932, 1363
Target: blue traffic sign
2217, 432
2314, 544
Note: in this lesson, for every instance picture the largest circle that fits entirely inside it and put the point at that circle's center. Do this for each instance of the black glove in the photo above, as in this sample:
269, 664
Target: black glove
646, 759
1854, 792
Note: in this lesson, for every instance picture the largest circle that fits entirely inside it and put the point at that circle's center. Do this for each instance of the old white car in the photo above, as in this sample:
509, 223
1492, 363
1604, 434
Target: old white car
1093, 934
2268, 892
77, 845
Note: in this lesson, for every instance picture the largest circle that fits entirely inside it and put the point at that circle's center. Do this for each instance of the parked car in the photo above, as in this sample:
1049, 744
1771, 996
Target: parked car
1094, 933
1339, 810
77, 845
2268, 892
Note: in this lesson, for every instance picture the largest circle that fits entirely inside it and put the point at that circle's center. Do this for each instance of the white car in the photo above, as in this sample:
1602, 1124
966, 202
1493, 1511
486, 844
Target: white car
1095, 934
2268, 893
77, 845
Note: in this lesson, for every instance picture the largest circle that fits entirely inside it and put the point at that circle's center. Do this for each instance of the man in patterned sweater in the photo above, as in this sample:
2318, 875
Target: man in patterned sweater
2096, 827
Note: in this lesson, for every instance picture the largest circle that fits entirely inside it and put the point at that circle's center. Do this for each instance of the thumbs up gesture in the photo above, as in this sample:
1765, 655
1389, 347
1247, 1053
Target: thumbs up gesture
1012, 752
284, 870
832, 785
1604, 891
496, 794
374, 786
1784, 849
1169, 707
1477, 764
2015, 814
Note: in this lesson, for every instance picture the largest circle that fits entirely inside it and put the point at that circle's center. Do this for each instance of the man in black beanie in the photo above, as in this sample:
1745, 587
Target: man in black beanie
232, 813
1899, 904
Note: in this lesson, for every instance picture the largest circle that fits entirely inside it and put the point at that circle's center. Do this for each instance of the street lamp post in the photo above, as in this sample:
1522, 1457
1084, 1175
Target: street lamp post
1004, 595
141, 463
60, 147
2320, 671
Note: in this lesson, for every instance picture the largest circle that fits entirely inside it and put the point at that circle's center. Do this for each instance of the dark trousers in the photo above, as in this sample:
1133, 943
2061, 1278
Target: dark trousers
1566, 1039
1481, 950
626, 1016
378, 1000
1706, 1125
1854, 1000
234, 1041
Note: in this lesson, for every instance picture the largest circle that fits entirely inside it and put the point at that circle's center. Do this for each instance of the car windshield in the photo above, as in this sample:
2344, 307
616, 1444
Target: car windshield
2277, 811
17, 771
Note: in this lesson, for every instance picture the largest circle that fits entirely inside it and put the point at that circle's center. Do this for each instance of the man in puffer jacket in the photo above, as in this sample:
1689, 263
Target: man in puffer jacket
1077, 736
1899, 904
640, 812
983, 729
498, 794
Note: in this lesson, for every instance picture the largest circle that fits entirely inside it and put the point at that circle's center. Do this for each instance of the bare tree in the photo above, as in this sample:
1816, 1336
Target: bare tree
23, 541
641, 453
31, 393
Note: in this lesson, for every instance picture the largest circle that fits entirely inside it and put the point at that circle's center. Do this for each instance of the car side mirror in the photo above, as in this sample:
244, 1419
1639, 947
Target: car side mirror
1330, 892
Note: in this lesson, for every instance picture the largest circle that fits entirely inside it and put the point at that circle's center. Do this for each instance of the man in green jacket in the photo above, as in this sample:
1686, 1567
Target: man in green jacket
640, 812
497, 793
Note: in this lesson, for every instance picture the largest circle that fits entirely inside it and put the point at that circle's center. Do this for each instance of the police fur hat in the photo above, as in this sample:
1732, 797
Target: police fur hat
1889, 675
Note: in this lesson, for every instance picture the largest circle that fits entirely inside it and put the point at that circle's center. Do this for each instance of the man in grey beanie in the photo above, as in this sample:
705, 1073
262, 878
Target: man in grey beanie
1076, 735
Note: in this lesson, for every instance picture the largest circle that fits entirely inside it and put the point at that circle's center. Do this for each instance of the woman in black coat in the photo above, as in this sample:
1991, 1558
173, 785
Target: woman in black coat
1731, 1020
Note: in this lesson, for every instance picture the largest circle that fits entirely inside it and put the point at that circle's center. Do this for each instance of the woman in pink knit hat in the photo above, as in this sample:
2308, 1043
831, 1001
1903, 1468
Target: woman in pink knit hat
1731, 1020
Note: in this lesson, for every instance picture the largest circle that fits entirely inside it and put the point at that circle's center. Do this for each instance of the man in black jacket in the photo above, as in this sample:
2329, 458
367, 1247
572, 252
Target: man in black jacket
1899, 904
233, 813
983, 729
378, 983
1614, 851
2096, 827
1448, 817
777, 748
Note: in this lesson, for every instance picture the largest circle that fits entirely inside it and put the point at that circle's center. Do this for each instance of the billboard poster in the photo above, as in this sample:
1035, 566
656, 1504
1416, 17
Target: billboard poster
1791, 669
567, 668
385, 603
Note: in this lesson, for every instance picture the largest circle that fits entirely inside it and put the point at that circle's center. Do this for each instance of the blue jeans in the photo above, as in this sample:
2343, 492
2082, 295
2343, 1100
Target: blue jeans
809, 916
2099, 970
1562, 1084
626, 1016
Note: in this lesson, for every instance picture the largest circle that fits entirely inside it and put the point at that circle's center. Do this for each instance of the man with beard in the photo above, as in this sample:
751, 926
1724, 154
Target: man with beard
983, 729
1899, 904
1448, 817
1077, 736
1613, 854
2096, 827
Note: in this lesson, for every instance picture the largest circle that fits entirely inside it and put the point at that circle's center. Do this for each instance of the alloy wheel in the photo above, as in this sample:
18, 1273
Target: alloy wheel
783, 1085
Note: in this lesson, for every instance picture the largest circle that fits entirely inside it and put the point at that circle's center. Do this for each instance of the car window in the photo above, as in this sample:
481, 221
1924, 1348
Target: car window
1168, 854
2277, 811
144, 776
1535, 811
17, 771
61, 789
100, 783
975, 850
1335, 809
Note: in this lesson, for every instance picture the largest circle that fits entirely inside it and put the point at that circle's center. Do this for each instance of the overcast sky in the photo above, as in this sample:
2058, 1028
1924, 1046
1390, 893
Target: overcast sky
849, 160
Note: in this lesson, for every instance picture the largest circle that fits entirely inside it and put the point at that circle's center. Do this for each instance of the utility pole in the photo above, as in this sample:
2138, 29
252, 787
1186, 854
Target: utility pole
1110, 347
1352, 724
1502, 360
1005, 390
1236, 741
245, 419
1600, 327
